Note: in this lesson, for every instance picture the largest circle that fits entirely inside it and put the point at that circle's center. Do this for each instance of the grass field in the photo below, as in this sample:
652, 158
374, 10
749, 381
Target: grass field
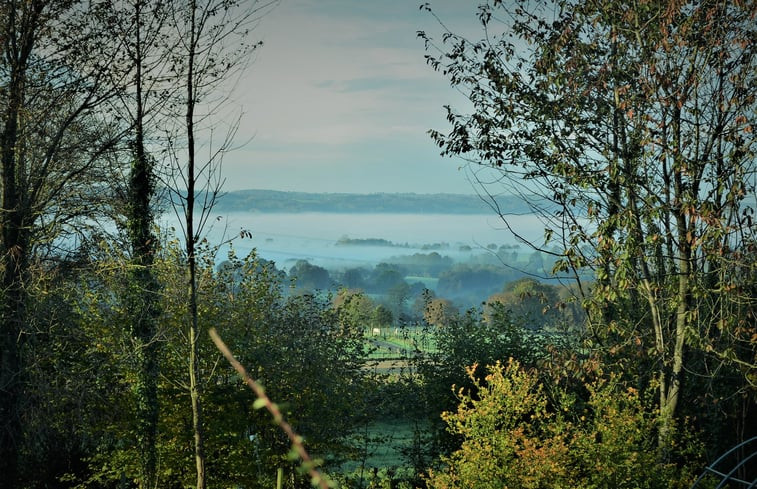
385, 444
401, 342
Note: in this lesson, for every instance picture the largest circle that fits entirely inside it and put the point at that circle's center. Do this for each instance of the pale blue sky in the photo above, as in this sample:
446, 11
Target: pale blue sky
339, 99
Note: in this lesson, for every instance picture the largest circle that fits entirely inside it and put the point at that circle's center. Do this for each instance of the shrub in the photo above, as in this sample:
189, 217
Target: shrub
516, 434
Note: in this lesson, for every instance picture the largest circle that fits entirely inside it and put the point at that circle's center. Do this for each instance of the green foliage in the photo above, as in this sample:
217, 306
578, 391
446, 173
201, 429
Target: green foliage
382, 316
298, 347
353, 308
354, 278
518, 433
385, 276
438, 312
423, 264
539, 305
470, 283
347, 241
397, 296
64, 391
310, 277
465, 340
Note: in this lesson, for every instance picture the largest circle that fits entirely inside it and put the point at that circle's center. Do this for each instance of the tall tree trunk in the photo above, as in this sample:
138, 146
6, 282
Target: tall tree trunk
195, 388
672, 370
143, 306
14, 247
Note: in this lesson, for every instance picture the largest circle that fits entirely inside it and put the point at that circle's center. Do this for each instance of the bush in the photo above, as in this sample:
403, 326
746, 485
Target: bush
516, 434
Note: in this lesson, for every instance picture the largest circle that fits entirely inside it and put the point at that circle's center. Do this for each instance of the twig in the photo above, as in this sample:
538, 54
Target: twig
264, 401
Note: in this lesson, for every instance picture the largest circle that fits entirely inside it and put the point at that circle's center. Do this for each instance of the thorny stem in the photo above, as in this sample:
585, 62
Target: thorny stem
297, 445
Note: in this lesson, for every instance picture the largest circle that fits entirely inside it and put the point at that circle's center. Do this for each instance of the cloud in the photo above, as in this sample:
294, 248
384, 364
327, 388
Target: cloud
337, 80
326, 74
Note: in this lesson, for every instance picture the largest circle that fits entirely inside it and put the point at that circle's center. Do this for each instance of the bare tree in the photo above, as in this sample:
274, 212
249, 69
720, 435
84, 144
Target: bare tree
213, 50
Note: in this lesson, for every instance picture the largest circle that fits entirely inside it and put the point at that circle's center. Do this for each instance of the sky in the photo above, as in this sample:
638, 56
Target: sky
340, 99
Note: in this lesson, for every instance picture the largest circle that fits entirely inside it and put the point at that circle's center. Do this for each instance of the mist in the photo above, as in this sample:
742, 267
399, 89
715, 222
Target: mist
286, 238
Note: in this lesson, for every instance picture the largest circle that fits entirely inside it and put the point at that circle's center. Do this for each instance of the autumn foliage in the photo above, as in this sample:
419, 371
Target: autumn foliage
523, 430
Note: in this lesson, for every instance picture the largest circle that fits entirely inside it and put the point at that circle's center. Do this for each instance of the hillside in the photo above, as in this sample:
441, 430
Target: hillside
293, 202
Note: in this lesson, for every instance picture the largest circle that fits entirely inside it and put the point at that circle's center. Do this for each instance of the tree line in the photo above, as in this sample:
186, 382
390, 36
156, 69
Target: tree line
402, 203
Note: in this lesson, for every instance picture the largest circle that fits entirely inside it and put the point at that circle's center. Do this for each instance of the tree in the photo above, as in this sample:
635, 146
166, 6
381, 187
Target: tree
354, 278
533, 302
468, 339
382, 316
310, 277
296, 346
385, 276
471, 282
439, 311
353, 308
53, 135
214, 46
397, 296
629, 130
141, 29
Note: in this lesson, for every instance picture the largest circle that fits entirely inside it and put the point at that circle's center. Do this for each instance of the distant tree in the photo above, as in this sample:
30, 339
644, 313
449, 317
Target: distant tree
354, 278
535, 264
382, 316
397, 297
472, 282
310, 277
419, 304
439, 312
424, 264
533, 302
353, 307
385, 276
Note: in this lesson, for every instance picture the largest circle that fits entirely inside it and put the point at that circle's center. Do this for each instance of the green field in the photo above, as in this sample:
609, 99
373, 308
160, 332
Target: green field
390, 340
385, 445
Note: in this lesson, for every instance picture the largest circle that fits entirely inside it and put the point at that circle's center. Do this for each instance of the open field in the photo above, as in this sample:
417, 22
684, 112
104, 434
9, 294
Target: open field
384, 443
389, 340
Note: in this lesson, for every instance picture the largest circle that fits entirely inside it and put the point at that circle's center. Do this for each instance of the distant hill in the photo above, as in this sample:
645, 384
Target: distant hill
294, 202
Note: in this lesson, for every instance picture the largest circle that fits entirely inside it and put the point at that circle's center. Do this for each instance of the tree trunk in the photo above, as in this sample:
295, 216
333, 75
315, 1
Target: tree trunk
143, 306
14, 250
194, 333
